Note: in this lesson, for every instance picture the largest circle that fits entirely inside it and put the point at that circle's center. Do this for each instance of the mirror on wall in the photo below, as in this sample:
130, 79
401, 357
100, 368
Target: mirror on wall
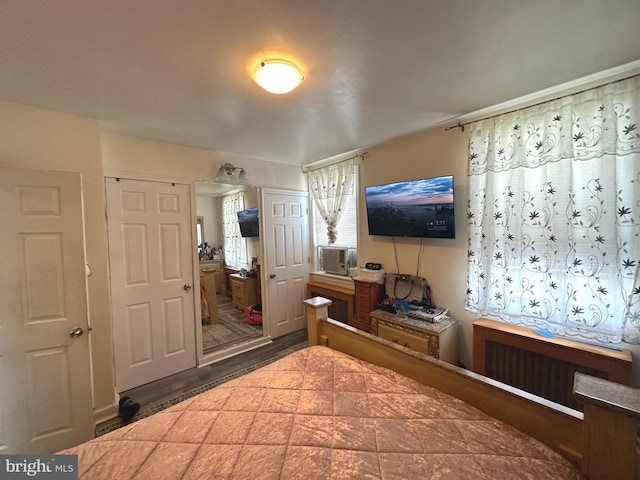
229, 267
200, 231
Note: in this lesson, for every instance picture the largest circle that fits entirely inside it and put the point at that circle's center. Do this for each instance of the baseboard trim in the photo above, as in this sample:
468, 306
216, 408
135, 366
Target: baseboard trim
105, 414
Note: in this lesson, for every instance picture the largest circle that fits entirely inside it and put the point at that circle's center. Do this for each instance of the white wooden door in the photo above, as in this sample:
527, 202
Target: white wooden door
45, 377
151, 267
286, 246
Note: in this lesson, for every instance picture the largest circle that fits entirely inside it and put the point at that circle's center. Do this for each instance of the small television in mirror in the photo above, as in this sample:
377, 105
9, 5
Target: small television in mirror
248, 221
415, 208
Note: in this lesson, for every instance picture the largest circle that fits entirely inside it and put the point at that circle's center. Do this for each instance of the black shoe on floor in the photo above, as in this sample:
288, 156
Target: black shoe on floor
127, 408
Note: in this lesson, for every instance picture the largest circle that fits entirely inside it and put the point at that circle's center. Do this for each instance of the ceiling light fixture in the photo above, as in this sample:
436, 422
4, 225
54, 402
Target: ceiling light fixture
226, 174
278, 76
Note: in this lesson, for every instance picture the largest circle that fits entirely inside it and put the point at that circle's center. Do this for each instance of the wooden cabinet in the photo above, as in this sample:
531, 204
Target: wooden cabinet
228, 271
438, 340
406, 338
367, 296
243, 290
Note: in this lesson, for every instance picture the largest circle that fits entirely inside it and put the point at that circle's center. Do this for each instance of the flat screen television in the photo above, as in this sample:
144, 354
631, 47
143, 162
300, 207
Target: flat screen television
248, 220
415, 208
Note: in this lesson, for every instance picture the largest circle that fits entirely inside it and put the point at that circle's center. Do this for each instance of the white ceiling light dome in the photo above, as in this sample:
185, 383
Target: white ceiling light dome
278, 76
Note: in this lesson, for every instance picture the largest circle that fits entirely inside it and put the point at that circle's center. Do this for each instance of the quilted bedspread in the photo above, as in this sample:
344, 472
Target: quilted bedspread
319, 413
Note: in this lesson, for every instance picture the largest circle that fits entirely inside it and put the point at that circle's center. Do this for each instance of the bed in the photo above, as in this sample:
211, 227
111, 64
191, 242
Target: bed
351, 406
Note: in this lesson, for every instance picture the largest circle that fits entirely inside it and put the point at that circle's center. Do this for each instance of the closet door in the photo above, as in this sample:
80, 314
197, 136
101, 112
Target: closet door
151, 265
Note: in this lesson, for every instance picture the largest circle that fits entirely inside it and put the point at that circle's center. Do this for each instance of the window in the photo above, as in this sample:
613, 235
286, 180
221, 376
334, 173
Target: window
554, 215
335, 204
200, 230
235, 247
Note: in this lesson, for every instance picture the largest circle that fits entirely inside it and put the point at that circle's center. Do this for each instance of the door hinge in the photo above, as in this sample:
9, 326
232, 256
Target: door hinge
106, 214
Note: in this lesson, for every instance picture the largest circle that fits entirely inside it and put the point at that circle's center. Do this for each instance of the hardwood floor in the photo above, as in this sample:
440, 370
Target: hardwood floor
232, 327
156, 396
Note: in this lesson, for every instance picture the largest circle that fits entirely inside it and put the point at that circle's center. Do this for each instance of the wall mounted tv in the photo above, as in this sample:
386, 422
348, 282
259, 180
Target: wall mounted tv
248, 220
415, 208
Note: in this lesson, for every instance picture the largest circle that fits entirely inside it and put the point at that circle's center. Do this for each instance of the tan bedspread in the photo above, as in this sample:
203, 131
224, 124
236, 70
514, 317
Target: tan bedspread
319, 413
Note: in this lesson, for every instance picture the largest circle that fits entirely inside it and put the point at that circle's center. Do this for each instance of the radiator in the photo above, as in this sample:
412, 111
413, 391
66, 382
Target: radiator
341, 308
547, 377
338, 310
517, 356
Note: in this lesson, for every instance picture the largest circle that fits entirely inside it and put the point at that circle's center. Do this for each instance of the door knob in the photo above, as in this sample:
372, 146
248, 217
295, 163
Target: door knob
187, 287
273, 275
76, 332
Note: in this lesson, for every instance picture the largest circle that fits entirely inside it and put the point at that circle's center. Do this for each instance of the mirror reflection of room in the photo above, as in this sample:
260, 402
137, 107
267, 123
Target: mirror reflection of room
228, 254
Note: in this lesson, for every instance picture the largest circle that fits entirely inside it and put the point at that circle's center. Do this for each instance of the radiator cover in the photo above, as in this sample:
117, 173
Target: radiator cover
517, 356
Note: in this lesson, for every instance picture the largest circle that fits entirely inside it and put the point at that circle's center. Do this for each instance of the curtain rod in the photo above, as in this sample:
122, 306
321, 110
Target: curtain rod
462, 125
306, 169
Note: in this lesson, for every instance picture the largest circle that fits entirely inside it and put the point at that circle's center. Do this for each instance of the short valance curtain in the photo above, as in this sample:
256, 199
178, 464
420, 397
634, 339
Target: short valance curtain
554, 215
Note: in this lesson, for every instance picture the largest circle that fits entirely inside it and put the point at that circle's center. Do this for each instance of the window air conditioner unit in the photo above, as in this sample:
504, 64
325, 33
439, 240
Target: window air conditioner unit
337, 260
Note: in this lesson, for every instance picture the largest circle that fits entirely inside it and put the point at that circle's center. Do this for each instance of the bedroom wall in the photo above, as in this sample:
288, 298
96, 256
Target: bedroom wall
122, 154
206, 207
148, 158
443, 262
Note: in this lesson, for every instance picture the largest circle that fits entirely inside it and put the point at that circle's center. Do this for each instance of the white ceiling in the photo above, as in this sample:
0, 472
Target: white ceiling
177, 70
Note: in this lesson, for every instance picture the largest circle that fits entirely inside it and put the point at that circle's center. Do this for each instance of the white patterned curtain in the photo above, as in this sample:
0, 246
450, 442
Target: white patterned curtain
330, 187
554, 215
235, 247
